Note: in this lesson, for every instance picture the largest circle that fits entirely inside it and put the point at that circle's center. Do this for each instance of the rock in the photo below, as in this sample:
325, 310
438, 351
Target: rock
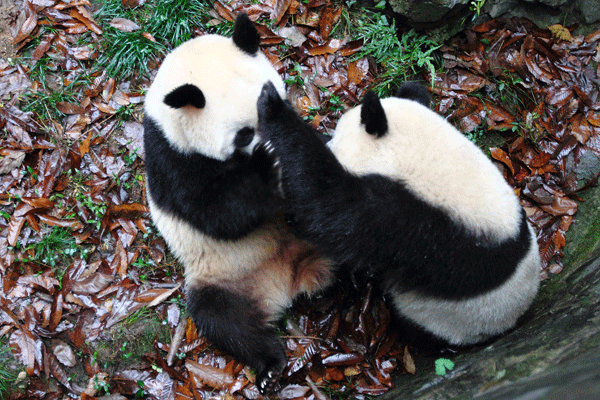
425, 11
449, 13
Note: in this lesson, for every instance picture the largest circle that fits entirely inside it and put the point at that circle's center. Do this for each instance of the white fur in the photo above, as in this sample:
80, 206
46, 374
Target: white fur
230, 80
440, 166
436, 162
269, 264
470, 321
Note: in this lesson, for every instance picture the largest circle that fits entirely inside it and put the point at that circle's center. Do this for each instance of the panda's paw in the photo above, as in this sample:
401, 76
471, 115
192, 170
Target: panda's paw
265, 161
267, 379
272, 112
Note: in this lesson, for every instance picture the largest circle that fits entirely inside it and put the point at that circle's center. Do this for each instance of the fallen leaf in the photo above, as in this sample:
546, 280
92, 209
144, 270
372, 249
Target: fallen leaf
560, 32
124, 25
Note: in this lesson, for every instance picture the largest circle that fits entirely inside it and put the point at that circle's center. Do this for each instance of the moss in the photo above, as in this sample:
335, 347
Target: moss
126, 343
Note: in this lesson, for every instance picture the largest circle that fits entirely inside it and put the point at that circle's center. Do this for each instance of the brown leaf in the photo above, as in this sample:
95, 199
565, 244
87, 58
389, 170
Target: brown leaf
43, 47
358, 71
561, 206
81, 14
319, 395
500, 155
330, 47
93, 284
581, 129
10, 160
293, 392
124, 25
130, 211
155, 296
211, 376
26, 29
27, 349
69, 108
351, 48
109, 89
73, 224
64, 354
409, 363
343, 359
329, 18
593, 118
14, 230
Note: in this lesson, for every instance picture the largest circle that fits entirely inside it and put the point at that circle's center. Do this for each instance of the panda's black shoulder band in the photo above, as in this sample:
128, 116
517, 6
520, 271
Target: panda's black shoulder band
245, 36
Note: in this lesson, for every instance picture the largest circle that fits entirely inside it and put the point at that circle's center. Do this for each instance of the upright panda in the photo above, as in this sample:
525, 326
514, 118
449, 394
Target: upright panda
402, 193
213, 195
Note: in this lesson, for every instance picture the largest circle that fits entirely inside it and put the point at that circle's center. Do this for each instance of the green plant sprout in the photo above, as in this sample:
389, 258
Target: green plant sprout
443, 365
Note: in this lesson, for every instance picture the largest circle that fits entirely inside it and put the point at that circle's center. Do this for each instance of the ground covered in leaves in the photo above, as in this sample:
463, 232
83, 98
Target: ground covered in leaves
90, 299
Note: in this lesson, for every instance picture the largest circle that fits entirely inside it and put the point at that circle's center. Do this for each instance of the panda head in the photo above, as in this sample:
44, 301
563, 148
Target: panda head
204, 94
371, 137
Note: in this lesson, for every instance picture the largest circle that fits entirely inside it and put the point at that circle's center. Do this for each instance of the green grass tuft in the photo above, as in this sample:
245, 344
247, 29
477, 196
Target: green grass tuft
8, 373
400, 58
126, 53
175, 24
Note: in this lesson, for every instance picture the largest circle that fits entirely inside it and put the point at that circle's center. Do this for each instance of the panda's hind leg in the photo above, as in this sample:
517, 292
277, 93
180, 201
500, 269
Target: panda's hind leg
239, 325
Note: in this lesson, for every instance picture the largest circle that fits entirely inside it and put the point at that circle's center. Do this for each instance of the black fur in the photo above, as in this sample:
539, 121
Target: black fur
372, 115
243, 137
372, 221
185, 95
414, 91
245, 36
235, 324
223, 199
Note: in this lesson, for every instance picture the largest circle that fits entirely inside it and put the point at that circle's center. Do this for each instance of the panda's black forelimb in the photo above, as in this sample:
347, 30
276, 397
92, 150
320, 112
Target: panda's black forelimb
223, 199
235, 324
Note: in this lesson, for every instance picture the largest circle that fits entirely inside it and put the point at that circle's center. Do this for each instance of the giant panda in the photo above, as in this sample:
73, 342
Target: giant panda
399, 192
213, 194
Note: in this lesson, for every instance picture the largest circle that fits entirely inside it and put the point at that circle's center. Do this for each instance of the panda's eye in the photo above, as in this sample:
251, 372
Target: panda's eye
243, 137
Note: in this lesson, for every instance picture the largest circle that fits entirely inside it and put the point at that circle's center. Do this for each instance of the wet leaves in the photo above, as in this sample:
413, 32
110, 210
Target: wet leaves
79, 169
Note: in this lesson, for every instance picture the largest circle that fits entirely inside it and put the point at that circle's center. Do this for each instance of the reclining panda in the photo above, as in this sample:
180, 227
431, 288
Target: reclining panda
403, 194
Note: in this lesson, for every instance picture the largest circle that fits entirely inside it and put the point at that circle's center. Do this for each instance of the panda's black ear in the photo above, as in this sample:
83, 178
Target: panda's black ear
372, 115
245, 36
185, 95
414, 91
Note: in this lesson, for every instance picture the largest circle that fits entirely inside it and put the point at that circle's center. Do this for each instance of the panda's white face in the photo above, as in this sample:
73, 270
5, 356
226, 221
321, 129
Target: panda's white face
436, 162
230, 81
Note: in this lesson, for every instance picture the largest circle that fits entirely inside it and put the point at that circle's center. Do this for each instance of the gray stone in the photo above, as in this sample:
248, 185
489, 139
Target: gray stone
451, 13
589, 10
425, 11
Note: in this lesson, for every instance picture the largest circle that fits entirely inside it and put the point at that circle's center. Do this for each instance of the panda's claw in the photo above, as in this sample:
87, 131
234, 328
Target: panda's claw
268, 381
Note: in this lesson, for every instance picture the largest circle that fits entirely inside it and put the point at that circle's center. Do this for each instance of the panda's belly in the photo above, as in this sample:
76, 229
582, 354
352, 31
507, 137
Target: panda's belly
270, 264
214, 259
473, 320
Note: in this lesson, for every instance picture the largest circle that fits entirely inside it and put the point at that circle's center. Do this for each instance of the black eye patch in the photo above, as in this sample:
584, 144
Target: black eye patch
243, 137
